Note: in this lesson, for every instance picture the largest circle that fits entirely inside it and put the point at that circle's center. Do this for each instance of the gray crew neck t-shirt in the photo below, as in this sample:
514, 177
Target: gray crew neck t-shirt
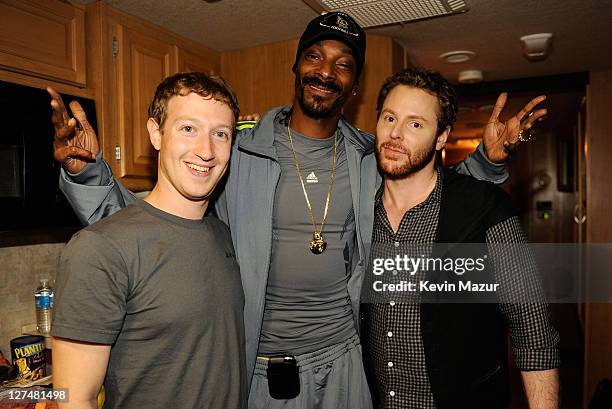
307, 302
165, 293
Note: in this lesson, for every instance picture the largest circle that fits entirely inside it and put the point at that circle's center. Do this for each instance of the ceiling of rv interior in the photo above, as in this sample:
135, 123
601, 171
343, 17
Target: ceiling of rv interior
582, 34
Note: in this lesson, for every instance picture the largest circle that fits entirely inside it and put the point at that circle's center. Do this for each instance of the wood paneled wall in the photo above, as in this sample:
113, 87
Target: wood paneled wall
598, 317
262, 77
599, 157
383, 58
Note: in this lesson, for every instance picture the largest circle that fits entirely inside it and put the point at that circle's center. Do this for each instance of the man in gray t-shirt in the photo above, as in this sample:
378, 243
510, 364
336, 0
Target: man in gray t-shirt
149, 300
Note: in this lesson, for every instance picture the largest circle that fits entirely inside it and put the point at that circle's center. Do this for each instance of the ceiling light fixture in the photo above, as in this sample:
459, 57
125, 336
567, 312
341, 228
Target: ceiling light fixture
455, 57
470, 76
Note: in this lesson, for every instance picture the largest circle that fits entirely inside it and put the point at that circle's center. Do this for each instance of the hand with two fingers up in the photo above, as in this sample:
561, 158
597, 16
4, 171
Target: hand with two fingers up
501, 139
75, 141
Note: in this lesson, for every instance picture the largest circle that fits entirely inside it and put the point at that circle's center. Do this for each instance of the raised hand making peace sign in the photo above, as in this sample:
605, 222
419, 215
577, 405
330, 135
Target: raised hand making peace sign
502, 139
75, 140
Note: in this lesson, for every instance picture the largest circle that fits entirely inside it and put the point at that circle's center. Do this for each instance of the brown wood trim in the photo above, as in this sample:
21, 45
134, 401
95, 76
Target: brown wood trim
39, 82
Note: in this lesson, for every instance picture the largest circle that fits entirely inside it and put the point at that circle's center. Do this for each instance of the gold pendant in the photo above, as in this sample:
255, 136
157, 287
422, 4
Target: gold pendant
317, 244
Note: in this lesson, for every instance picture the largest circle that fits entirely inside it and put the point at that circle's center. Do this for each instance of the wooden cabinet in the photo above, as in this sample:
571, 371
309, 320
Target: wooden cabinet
142, 59
135, 56
44, 38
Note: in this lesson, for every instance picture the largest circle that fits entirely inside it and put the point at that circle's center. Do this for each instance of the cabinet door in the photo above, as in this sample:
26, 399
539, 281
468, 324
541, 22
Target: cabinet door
143, 60
44, 38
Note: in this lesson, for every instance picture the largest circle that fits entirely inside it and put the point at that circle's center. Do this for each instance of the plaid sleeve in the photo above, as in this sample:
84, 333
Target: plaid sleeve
535, 342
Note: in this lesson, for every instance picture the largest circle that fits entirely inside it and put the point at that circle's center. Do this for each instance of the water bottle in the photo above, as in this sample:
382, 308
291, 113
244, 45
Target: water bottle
43, 297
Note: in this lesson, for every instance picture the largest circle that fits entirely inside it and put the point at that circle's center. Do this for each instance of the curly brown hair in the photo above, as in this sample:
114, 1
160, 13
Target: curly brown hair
429, 81
184, 83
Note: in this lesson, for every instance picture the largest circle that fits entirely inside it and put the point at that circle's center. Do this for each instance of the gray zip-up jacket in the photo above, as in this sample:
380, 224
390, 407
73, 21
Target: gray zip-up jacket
246, 205
247, 202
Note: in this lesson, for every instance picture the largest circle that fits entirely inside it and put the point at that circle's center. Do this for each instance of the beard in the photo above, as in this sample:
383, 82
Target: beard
316, 109
414, 162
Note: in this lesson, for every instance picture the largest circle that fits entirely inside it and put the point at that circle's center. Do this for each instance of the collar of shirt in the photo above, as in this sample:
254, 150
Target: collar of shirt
434, 198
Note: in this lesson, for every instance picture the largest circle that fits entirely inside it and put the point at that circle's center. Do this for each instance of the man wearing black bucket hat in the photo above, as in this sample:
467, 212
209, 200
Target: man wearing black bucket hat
299, 201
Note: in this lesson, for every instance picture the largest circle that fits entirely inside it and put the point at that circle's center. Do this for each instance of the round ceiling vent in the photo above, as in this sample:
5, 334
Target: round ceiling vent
455, 57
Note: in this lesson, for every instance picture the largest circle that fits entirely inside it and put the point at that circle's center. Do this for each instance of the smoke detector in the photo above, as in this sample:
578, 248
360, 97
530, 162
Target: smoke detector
455, 57
372, 13
470, 76
536, 46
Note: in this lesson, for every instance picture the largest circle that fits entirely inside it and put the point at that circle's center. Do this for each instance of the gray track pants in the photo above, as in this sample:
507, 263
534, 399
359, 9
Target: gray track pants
330, 378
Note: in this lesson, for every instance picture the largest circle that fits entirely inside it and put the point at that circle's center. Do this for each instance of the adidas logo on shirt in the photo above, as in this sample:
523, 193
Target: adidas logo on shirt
312, 178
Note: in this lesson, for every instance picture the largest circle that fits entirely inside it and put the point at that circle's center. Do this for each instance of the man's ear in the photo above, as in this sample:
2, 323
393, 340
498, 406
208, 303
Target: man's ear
441, 139
154, 133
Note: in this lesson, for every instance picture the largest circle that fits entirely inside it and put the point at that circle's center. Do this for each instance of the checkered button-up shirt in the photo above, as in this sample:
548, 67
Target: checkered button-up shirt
393, 337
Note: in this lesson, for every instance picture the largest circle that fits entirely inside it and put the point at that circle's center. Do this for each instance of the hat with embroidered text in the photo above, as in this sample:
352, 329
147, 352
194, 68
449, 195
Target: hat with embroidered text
334, 26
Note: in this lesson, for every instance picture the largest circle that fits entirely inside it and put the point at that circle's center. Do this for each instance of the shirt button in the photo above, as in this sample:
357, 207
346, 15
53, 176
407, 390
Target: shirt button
390, 364
396, 244
392, 393
392, 303
389, 334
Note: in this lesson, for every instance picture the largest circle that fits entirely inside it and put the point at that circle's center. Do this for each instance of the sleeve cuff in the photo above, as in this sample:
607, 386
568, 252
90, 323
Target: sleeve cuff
96, 336
482, 168
96, 173
537, 360
486, 159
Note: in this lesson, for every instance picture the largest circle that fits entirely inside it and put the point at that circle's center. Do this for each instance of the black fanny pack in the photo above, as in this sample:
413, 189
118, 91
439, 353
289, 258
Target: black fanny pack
283, 377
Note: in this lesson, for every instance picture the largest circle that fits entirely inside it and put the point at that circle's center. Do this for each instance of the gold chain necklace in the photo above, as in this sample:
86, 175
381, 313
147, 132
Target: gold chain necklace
317, 245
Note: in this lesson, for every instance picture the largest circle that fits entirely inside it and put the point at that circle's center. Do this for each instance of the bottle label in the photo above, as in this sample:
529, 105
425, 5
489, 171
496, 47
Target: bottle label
44, 301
